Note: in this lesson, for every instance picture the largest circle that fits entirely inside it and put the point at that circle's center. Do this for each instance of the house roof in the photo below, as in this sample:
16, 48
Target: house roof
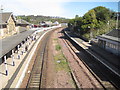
21, 21
5, 17
113, 35
48, 22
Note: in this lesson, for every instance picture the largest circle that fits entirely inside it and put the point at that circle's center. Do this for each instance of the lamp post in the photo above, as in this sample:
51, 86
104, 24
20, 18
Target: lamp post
108, 25
98, 31
79, 31
71, 25
117, 20
1, 11
90, 34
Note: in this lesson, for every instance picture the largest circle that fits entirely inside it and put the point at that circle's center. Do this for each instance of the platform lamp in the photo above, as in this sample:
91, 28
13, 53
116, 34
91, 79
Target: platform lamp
108, 23
90, 34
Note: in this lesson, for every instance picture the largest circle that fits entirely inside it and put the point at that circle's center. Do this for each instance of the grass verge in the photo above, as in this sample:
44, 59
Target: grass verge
61, 63
58, 47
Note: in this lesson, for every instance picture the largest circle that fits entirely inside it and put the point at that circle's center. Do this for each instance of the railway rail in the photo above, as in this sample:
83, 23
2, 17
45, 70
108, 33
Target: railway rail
36, 76
103, 75
97, 69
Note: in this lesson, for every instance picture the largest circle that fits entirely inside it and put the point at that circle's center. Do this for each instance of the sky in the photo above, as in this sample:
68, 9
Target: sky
61, 8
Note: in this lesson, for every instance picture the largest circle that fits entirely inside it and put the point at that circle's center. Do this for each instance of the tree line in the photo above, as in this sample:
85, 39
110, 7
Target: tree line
39, 18
96, 21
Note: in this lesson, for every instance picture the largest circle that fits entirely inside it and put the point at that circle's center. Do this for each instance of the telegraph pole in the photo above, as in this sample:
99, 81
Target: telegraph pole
1, 11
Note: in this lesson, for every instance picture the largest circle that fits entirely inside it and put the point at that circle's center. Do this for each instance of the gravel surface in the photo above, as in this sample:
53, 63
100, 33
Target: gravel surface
57, 78
84, 77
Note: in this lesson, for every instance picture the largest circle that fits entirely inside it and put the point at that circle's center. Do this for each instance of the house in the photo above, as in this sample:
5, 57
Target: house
56, 23
45, 23
7, 24
110, 41
22, 25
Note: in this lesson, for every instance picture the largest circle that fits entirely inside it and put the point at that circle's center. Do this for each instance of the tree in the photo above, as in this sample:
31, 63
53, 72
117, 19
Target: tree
103, 13
94, 20
76, 16
89, 20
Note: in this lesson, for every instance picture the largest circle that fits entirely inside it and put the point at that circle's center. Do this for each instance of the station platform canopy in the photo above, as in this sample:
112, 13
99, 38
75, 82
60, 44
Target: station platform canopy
9, 43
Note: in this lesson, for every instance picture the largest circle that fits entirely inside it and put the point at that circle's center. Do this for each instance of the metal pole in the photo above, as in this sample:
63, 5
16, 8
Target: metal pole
117, 21
5, 62
22, 49
18, 52
1, 19
108, 25
13, 57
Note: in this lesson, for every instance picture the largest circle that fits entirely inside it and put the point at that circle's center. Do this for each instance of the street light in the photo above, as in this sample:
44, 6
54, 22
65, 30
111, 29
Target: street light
108, 25
117, 20
90, 32
79, 31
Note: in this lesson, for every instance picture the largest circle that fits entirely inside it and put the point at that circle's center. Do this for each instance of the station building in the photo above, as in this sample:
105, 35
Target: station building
22, 25
7, 24
110, 41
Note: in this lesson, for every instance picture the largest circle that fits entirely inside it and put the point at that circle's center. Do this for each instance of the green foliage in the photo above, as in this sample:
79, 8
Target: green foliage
61, 63
77, 16
36, 19
103, 13
89, 20
24, 18
95, 21
58, 47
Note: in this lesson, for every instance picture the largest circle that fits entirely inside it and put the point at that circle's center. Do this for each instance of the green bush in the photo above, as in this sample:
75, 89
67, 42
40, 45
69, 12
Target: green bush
58, 47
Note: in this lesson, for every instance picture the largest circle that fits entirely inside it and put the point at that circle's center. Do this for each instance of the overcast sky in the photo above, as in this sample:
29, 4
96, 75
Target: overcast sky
62, 8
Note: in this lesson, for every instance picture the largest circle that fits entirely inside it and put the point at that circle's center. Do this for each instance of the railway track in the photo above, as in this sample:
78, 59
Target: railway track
105, 77
36, 76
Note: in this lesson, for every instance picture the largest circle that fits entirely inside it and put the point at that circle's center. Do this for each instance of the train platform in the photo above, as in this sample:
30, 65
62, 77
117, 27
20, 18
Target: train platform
110, 60
18, 60
102, 53
17, 70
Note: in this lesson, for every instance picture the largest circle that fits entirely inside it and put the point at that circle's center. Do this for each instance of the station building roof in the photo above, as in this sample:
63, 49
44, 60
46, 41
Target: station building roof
11, 42
113, 35
20, 21
5, 17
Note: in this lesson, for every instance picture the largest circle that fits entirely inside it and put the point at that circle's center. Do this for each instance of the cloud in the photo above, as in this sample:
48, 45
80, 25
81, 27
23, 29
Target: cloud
41, 7
33, 7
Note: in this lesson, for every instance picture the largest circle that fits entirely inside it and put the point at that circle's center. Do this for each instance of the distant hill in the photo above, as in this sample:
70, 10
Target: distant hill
39, 18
